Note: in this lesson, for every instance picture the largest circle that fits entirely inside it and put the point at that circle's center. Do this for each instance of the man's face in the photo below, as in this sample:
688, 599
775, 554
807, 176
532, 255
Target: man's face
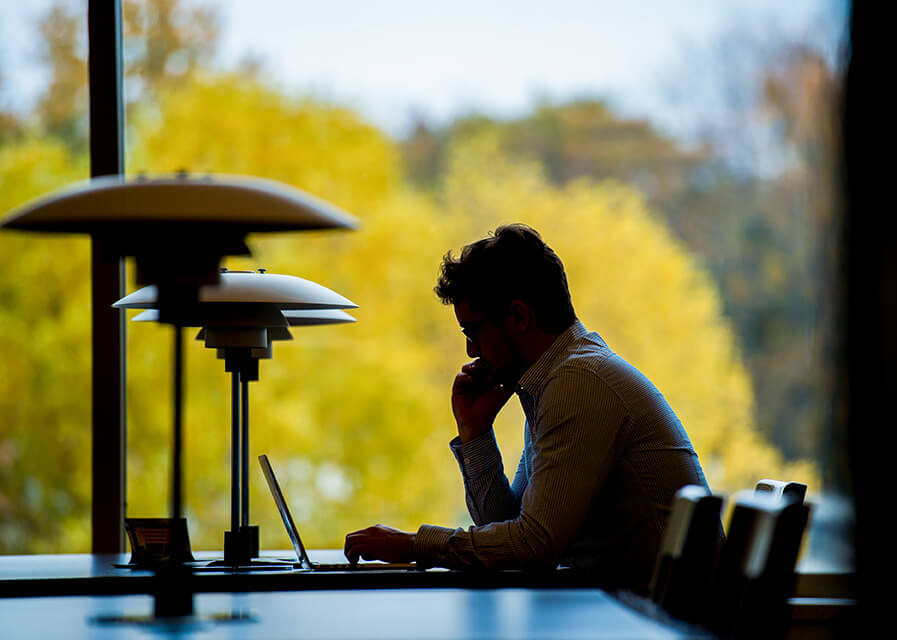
488, 342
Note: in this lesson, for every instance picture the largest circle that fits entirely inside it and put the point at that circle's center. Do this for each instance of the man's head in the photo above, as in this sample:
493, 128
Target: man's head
510, 293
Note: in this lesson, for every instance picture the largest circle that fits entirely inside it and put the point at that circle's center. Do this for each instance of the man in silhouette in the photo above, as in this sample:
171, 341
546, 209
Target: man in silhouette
603, 455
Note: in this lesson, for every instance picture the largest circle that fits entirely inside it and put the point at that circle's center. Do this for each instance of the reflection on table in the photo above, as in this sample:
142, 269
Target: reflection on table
399, 613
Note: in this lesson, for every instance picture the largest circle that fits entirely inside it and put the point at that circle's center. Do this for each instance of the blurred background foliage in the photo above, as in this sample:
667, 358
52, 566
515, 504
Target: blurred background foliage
709, 277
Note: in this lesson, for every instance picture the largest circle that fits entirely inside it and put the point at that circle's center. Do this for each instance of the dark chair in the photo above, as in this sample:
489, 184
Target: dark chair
755, 575
688, 554
789, 490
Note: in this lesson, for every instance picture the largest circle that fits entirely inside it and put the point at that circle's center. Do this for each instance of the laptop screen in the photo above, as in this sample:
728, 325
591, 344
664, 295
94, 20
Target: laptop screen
285, 512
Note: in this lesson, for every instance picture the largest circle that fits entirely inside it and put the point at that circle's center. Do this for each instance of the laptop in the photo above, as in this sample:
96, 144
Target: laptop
301, 555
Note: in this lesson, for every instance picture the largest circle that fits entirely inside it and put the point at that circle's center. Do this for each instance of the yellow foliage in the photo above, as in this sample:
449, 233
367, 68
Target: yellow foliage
45, 364
356, 418
641, 290
233, 125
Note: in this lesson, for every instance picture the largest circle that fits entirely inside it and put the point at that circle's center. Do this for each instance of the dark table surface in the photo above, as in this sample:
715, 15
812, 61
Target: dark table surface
86, 574
342, 614
87, 596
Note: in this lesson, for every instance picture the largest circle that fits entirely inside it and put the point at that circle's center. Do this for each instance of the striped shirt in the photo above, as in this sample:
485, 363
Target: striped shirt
603, 456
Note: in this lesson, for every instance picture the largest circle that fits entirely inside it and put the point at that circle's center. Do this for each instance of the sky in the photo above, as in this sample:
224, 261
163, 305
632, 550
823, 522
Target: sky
390, 59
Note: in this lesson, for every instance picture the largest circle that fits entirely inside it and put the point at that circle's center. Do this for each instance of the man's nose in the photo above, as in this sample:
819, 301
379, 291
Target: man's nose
472, 350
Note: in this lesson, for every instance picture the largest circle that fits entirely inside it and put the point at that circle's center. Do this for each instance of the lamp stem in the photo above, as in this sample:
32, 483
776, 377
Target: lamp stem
178, 448
235, 452
245, 453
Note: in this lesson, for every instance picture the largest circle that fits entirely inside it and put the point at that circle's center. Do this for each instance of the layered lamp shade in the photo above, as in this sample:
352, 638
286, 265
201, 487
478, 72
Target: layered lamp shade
241, 317
294, 318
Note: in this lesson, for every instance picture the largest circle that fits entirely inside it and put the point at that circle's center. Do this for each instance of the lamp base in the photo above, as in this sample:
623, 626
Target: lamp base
241, 546
251, 534
237, 551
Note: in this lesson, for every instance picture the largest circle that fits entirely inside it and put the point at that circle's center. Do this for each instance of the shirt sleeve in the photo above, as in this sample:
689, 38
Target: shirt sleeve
489, 496
577, 437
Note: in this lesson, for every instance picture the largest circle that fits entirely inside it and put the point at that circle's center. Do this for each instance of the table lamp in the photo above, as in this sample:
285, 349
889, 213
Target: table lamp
241, 318
177, 228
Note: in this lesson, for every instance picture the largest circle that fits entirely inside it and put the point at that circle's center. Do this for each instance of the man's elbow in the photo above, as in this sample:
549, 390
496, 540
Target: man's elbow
536, 548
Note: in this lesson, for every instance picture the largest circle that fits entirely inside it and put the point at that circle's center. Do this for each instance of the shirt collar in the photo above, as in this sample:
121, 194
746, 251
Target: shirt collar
532, 379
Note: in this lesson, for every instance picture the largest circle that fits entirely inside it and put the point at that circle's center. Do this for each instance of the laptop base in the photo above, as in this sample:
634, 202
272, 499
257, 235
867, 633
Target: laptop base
252, 565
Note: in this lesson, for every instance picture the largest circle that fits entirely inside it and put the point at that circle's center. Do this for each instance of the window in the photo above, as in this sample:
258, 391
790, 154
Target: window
680, 162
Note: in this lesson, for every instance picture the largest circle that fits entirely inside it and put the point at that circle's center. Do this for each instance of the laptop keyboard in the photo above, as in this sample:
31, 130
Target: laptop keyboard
361, 566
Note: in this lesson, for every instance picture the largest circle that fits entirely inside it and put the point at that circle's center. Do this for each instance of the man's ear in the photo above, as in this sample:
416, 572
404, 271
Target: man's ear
520, 317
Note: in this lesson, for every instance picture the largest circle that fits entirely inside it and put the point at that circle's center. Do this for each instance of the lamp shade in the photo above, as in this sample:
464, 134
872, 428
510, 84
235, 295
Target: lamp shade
249, 287
223, 315
295, 318
304, 318
179, 227
256, 331
114, 205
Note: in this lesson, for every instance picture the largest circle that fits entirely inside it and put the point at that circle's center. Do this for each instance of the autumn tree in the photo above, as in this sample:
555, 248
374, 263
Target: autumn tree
164, 42
356, 418
62, 108
687, 267
776, 186
638, 286
11, 125
753, 198
44, 411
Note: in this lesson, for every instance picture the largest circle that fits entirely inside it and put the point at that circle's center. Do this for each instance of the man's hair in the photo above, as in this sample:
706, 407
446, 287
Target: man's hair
512, 263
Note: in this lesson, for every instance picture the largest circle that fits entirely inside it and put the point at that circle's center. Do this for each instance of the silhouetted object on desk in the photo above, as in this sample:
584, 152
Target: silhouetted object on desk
177, 228
689, 552
302, 561
241, 318
756, 575
151, 541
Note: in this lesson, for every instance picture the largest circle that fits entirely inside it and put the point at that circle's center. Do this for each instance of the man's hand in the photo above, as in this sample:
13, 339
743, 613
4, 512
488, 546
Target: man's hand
380, 543
477, 397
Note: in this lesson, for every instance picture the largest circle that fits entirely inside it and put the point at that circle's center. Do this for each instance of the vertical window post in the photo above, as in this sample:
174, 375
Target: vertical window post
108, 494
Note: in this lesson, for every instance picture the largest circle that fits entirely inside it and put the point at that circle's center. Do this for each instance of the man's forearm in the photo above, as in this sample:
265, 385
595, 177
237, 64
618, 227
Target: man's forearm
487, 492
464, 549
511, 544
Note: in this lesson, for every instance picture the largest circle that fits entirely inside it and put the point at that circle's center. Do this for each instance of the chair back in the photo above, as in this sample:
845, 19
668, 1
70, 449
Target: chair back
688, 554
755, 576
787, 489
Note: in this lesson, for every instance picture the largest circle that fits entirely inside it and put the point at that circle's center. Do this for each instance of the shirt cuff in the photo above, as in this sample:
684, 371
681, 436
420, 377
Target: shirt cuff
430, 544
478, 456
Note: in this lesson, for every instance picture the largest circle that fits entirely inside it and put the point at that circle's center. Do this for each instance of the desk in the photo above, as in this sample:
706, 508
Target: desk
86, 574
69, 596
395, 614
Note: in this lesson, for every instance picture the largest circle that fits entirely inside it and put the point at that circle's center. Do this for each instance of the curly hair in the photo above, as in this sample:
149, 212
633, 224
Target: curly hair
511, 263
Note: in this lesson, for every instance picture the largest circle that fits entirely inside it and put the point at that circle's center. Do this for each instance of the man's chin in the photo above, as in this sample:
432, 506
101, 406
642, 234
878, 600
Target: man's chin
505, 377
